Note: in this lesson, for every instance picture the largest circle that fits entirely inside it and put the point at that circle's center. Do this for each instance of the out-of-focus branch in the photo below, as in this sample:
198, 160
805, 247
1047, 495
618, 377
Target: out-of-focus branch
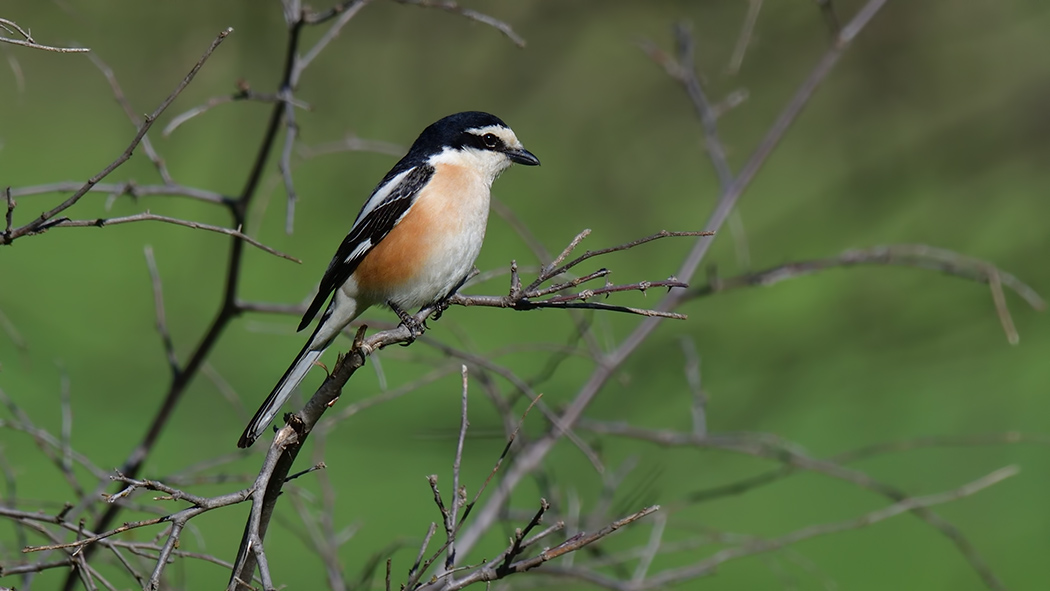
710, 564
904, 255
159, 313
774, 448
351, 143
52, 447
747, 30
455, 8
118, 93
751, 546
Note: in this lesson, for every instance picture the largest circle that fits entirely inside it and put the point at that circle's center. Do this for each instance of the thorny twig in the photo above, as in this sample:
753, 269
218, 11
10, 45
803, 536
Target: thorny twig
524, 298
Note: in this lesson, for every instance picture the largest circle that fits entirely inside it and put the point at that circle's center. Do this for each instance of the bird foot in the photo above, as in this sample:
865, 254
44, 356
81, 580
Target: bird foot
415, 327
440, 307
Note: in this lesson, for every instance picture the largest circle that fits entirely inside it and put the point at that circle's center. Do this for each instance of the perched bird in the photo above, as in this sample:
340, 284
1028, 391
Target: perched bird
414, 241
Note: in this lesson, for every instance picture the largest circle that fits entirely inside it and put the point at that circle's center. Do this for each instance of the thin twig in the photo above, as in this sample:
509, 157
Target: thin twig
776, 449
244, 93
458, 497
118, 93
904, 255
127, 188
28, 41
158, 306
708, 565
10, 211
351, 143
692, 376
449, 6
491, 572
553, 270
416, 571
46, 217
152, 217
747, 30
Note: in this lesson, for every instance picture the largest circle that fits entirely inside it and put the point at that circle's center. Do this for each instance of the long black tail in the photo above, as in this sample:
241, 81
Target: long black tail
291, 378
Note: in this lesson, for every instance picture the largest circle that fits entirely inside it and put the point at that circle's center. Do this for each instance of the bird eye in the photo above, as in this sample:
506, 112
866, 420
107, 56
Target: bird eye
491, 141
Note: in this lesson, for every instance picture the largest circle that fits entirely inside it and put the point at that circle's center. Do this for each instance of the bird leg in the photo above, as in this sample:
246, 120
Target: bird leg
414, 326
443, 304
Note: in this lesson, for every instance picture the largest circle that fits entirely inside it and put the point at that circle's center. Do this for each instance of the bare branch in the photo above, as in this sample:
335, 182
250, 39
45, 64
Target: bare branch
10, 212
904, 255
416, 571
692, 375
127, 188
708, 118
347, 11
158, 305
458, 498
28, 41
747, 31
46, 218
352, 143
52, 447
453, 7
244, 93
553, 270
708, 565
151, 217
118, 93
776, 449
495, 570
298, 65
532, 456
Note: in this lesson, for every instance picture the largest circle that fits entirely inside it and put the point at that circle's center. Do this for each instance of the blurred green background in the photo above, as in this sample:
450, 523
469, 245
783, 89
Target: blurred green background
933, 129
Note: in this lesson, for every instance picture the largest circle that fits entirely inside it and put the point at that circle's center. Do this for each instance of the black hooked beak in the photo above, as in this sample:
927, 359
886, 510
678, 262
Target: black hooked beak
523, 156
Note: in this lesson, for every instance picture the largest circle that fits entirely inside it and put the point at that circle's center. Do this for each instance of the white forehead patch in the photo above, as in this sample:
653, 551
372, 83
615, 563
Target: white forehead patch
503, 133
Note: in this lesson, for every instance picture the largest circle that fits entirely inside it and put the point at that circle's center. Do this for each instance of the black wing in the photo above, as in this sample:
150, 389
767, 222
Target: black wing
368, 230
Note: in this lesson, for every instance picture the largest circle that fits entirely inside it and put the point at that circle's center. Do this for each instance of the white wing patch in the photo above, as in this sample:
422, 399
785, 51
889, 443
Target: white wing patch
381, 195
360, 250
